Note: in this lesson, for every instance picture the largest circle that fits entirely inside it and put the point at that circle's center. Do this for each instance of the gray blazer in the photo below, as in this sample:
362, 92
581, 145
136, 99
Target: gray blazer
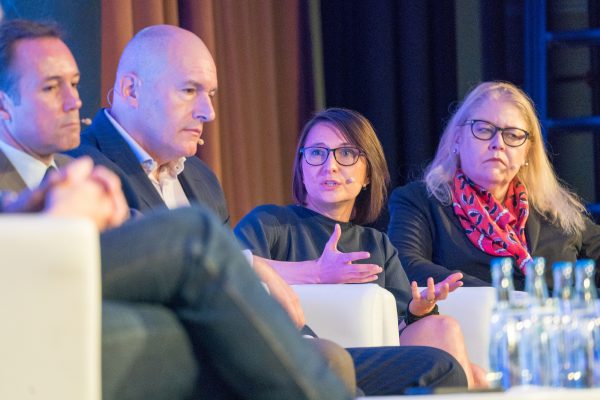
10, 179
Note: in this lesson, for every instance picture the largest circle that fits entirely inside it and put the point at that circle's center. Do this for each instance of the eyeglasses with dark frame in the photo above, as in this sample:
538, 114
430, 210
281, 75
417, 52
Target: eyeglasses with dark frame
484, 130
346, 156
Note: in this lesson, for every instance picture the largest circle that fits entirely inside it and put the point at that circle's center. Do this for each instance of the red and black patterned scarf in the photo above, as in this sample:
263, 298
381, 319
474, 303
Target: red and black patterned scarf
495, 228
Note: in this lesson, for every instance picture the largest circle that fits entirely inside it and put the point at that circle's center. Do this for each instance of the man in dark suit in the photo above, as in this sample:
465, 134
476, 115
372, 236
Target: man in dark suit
39, 110
176, 270
162, 97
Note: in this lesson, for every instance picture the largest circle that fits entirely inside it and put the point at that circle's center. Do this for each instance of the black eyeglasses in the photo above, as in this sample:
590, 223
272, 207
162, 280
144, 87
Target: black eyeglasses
345, 156
484, 130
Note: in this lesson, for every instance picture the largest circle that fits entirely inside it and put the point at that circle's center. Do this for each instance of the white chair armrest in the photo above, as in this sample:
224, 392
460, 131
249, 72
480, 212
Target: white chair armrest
351, 315
472, 308
50, 308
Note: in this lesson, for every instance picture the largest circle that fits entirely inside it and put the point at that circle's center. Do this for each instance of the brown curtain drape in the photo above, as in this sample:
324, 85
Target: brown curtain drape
258, 48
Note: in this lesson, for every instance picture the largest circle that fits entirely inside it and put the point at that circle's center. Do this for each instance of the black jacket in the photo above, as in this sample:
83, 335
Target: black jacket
431, 241
103, 143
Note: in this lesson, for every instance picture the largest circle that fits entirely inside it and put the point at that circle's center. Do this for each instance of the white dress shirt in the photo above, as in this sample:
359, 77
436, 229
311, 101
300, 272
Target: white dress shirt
164, 177
30, 168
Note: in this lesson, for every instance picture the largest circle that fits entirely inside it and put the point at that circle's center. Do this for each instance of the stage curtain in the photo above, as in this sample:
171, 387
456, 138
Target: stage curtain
395, 62
264, 93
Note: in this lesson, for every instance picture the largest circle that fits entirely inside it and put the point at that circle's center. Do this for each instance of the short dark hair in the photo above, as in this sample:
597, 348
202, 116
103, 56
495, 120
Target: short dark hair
359, 132
11, 31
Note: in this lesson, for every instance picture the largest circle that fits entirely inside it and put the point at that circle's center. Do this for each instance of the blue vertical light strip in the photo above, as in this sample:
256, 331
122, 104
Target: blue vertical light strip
536, 70
537, 40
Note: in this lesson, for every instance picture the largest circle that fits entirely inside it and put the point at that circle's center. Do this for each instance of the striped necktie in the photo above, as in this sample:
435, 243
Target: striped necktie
48, 172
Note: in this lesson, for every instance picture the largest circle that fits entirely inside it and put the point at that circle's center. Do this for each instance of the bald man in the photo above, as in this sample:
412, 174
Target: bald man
162, 97
163, 92
161, 273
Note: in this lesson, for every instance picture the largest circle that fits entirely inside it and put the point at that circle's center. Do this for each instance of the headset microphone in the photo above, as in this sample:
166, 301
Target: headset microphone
200, 142
86, 121
350, 180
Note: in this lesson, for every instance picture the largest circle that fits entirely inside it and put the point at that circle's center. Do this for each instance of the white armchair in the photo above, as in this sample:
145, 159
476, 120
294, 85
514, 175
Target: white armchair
351, 315
50, 309
472, 308
365, 315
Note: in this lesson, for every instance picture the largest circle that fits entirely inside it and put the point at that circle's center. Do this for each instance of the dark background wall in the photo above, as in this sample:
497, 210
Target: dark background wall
405, 65
395, 62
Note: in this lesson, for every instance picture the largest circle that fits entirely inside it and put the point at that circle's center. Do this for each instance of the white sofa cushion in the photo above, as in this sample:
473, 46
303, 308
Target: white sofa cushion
50, 309
472, 308
351, 315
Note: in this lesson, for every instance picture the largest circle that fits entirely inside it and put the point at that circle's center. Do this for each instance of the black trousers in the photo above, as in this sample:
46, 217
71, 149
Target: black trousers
391, 370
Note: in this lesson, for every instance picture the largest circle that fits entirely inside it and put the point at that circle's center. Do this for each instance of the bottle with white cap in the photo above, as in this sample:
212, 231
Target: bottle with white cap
585, 287
586, 309
535, 282
534, 346
503, 346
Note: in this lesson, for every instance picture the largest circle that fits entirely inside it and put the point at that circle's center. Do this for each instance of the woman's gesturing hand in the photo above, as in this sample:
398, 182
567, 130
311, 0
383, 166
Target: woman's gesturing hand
423, 302
336, 267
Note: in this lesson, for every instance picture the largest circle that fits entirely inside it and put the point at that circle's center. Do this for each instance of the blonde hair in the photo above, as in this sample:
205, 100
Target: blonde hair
546, 193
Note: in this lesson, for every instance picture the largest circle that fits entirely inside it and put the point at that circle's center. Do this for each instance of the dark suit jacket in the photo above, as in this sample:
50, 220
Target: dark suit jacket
431, 241
10, 180
106, 146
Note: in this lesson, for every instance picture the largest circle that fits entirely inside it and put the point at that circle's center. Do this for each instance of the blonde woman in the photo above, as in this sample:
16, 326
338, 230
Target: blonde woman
490, 191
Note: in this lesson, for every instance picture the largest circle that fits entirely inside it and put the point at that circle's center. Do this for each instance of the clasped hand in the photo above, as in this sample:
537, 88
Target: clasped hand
77, 190
424, 301
334, 266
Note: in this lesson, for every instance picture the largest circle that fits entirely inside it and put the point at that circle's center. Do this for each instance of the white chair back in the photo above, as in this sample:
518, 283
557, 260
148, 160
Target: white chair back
351, 315
49, 308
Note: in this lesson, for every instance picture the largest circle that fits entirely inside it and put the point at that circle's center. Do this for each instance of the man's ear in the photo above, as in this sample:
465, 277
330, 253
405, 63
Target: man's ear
6, 104
129, 88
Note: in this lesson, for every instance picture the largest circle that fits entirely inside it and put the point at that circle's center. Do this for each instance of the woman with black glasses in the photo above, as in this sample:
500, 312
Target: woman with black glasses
339, 184
489, 192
